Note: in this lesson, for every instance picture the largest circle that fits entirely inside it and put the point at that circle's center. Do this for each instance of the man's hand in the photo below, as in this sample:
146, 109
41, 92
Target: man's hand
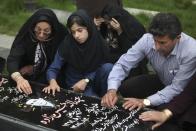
80, 86
132, 103
157, 116
52, 87
26, 70
23, 86
109, 99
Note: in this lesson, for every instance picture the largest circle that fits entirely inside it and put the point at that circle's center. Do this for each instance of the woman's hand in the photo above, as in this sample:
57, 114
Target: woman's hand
98, 21
53, 87
80, 86
23, 86
116, 26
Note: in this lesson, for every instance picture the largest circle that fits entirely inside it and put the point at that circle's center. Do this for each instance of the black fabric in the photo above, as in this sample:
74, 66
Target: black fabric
141, 86
183, 105
131, 27
2, 64
88, 56
132, 31
23, 48
169, 127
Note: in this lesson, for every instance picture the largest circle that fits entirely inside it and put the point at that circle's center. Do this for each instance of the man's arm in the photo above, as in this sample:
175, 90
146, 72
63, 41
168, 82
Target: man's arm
126, 62
121, 70
180, 80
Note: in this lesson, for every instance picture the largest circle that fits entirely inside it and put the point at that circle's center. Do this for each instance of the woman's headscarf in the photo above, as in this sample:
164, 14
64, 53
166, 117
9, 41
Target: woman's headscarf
41, 15
88, 56
44, 50
129, 24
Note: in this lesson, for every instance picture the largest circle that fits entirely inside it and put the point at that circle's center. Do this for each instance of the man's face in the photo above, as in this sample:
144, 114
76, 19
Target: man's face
164, 44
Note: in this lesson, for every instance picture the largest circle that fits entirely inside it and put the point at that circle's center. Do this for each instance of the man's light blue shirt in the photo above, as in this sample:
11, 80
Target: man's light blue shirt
174, 71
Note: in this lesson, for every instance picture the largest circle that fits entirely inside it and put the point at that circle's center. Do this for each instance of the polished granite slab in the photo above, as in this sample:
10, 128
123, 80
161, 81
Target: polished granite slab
71, 112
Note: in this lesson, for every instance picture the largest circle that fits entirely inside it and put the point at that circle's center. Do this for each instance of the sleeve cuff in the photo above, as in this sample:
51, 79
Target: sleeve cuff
113, 85
155, 100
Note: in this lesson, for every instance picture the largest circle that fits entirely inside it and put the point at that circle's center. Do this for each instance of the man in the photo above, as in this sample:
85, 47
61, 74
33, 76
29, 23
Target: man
171, 53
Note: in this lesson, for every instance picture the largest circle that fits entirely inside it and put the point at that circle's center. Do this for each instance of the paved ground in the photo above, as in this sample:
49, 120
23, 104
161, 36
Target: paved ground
6, 41
5, 44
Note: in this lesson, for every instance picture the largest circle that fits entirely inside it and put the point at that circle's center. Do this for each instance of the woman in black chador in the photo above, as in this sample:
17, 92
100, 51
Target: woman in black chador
34, 48
121, 30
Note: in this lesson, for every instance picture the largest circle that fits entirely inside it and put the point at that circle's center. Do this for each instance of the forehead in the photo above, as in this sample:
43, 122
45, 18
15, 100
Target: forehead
162, 38
43, 25
75, 27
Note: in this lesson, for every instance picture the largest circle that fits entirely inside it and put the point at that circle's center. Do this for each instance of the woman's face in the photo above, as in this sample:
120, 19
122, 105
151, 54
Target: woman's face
42, 30
80, 33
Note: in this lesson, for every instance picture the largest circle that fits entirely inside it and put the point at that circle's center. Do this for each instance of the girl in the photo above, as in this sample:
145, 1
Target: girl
84, 53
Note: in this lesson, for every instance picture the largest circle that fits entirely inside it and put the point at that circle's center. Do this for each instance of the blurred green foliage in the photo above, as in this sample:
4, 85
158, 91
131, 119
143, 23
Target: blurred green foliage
14, 12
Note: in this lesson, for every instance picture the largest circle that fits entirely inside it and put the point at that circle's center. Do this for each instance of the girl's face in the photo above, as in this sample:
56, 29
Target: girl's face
80, 33
42, 30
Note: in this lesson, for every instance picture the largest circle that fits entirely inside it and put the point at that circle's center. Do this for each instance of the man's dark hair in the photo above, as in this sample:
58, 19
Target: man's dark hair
165, 24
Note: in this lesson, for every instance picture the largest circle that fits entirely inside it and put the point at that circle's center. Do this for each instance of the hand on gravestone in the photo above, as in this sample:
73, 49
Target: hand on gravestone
23, 85
132, 103
52, 88
80, 86
109, 99
159, 117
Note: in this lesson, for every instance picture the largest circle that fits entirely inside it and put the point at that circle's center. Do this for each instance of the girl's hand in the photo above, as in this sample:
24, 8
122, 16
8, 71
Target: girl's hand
53, 87
80, 86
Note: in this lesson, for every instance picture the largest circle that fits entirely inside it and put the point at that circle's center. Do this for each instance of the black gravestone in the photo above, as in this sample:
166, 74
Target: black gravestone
72, 112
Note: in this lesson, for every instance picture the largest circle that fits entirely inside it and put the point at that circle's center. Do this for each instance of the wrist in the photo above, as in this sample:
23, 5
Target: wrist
119, 32
53, 81
86, 80
146, 102
167, 113
16, 76
112, 91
